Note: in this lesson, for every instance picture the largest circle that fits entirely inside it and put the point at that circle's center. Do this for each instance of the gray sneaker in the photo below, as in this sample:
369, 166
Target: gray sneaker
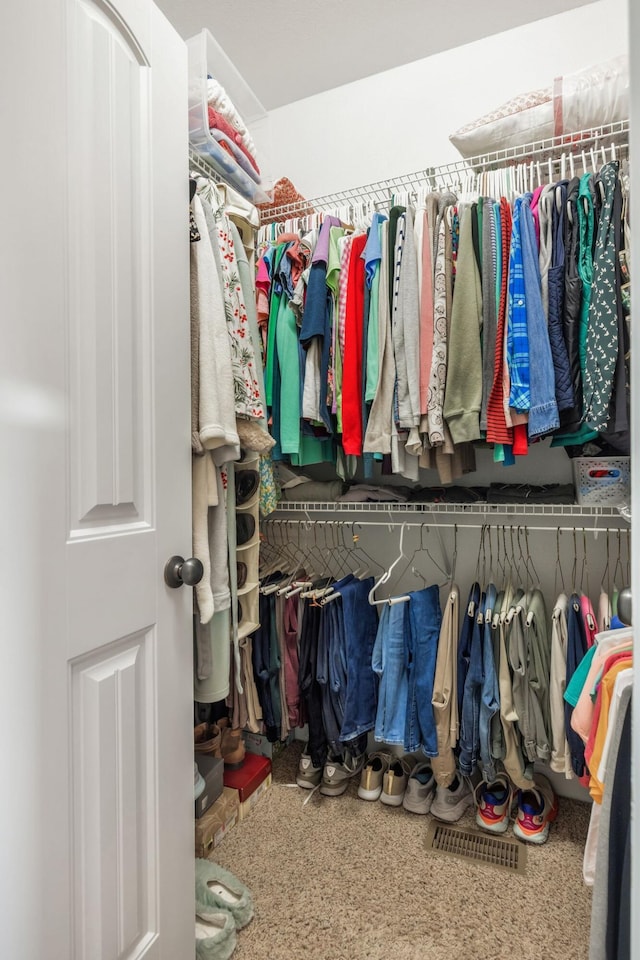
338, 772
449, 804
421, 787
308, 776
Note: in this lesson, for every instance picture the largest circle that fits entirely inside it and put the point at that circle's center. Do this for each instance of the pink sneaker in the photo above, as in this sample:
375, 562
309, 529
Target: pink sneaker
493, 804
537, 809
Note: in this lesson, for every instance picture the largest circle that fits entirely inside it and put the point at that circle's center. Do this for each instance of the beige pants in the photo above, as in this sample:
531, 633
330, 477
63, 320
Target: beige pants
445, 691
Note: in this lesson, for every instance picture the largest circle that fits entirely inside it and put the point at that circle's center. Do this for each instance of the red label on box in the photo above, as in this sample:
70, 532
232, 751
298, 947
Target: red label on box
248, 778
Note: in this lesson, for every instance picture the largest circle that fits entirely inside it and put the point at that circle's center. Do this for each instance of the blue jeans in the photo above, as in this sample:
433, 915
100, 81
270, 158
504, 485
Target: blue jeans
332, 683
388, 662
490, 693
421, 649
464, 645
331, 715
310, 690
470, 726
360, 621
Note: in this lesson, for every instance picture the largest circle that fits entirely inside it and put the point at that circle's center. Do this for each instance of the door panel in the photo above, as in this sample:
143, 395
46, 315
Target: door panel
96, 813
115, 833
110, 258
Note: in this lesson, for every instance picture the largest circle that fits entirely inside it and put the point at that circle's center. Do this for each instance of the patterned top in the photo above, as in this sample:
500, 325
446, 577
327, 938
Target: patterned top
245, 383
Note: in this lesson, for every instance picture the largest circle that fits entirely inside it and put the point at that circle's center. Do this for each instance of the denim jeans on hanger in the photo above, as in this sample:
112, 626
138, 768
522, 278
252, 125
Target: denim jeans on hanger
421, 649
470, 727
330, 720
388, 662
332, 681
464, 646
337, 656
490, 693
360, 627
309, 687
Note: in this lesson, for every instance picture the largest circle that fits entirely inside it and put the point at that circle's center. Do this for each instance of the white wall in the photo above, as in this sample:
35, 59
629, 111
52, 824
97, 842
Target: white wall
399, 121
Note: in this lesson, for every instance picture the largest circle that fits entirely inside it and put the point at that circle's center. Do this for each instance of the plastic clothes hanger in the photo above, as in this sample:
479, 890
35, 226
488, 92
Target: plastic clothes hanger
386, 576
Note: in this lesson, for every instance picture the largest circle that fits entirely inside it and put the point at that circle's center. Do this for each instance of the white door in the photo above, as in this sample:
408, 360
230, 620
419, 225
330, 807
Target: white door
96, 799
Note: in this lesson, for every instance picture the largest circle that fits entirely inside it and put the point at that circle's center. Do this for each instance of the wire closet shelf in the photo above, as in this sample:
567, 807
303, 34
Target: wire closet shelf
493, 513
553, 150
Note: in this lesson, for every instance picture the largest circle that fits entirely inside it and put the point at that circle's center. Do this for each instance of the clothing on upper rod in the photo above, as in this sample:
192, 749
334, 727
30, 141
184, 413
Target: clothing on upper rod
462, 319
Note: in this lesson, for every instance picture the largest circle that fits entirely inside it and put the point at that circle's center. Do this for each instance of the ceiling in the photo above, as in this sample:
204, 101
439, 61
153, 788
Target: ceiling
290, 49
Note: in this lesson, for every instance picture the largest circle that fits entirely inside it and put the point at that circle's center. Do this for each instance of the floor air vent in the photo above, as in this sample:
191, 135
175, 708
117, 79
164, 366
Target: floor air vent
456, 842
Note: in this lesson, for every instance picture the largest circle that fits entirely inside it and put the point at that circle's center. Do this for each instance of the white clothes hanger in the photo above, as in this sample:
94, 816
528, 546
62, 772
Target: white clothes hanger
386, 576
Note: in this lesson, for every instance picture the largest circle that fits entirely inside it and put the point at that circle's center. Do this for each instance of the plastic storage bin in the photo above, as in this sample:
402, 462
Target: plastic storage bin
604, 481
208, 59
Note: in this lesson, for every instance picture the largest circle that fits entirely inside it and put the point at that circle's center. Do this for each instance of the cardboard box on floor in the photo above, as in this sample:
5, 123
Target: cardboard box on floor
213, 826
247, 778
249, 804
211, 769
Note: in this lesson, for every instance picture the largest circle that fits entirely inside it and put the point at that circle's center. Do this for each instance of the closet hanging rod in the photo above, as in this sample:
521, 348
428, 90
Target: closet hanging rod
447, 526
379, 192
573, 510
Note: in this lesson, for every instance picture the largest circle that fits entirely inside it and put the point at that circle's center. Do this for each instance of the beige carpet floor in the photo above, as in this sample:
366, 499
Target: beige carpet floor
343, 879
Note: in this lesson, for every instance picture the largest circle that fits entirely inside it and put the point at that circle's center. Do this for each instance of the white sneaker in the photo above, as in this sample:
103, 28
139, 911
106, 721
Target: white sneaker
449, 804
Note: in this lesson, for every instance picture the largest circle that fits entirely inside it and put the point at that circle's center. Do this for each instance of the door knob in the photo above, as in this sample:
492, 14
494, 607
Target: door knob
177, 571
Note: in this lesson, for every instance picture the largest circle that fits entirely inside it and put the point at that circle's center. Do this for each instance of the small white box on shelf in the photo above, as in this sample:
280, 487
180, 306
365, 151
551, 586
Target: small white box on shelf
604, 481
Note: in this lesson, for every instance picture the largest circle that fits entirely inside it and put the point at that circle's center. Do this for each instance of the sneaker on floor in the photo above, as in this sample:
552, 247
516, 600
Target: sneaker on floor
307, 776
337, 773
420, 789
395, 780
371, 778
451, 802
537, 809
493, 804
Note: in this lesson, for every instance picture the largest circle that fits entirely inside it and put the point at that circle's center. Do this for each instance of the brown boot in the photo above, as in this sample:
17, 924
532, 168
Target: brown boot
233, 750
207, 738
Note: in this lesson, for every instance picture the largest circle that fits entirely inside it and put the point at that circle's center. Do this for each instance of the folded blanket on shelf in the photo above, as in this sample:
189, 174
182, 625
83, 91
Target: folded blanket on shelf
367, 493
217, 97
218, 121
235, 153
560, 493
314, 491
452, 494
230, 171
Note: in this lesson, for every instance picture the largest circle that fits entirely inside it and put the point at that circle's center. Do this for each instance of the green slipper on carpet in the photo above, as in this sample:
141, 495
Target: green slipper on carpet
215, 935
217, 889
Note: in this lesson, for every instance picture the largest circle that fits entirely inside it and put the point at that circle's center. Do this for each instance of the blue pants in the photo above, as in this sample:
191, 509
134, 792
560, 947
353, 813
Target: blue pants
360, 624
490, 692
389, 663
421, 649
470, 726
464, 646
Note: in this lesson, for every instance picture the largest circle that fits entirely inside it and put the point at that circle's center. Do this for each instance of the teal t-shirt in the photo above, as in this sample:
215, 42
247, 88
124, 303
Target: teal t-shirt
576, 684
